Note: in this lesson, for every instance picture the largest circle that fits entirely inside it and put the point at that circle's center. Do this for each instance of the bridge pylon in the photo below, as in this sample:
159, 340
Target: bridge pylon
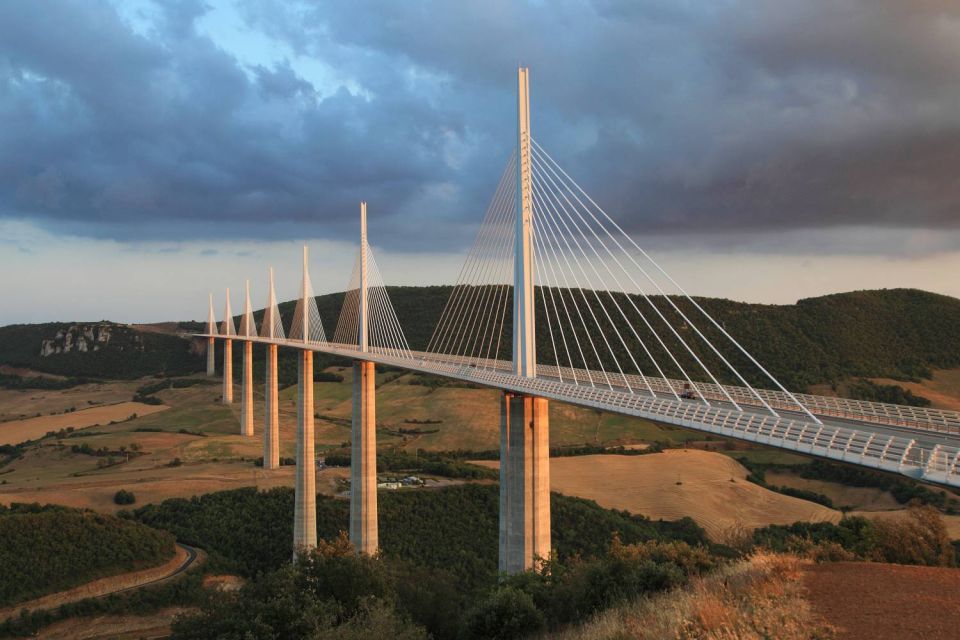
524, 419
228, 332
305, 492
271, 399
524, 481
364, 533
247, 330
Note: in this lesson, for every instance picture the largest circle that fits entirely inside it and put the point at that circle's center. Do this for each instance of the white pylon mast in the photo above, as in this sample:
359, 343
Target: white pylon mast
362, 338
271, 305
211, 319
524, 346
248, 314
305, 314
228, 329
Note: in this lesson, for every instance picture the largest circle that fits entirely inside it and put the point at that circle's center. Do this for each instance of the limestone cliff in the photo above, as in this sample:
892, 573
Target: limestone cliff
82, 338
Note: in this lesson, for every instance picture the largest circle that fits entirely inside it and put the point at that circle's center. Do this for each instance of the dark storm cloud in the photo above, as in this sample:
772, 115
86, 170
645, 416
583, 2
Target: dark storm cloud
716, 116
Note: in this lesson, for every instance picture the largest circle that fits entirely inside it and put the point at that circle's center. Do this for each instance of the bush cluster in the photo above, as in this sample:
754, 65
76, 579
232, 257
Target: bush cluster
920, 538
332, 592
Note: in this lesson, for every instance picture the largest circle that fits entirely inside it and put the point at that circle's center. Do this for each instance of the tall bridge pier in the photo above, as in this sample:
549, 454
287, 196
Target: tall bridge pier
248, 331
305, 492
246, 391
524, 419
211, 357
228, 371
271, 426
524, 481
228, 331
364, 532
305, 498
271, 421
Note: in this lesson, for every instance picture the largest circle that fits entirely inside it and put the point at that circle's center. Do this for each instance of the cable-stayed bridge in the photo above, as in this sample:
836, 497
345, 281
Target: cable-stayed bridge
555, 301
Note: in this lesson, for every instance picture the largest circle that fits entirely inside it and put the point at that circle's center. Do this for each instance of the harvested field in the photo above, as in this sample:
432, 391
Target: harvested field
873, 601
17, 431
17, 404
156, 625
709, 487
155, 484
860, 498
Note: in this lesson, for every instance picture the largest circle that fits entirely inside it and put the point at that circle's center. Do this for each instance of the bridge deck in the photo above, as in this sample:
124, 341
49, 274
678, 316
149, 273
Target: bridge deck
921, 443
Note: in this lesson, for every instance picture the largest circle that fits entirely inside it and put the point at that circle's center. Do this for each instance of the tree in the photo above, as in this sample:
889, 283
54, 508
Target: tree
506, 613
124, 497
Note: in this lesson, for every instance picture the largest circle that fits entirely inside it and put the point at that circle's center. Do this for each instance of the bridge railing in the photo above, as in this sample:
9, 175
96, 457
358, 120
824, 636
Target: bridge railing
887, 452
937, 420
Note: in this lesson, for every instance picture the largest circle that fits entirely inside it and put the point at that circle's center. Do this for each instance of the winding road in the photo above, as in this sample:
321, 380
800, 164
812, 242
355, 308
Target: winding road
184, 558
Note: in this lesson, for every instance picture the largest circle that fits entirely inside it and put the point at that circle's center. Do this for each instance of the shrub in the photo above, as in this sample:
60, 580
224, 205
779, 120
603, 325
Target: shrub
124, 497
506, 613
921, 538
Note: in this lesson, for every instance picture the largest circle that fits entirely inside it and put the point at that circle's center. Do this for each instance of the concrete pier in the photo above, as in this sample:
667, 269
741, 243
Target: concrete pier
271, 425
227, 371
305, 498
364, 533
246, 391
211, 356
524, 482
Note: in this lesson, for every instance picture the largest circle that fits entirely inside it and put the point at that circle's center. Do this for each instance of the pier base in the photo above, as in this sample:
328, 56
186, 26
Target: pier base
363, 460
524, 482
305, 496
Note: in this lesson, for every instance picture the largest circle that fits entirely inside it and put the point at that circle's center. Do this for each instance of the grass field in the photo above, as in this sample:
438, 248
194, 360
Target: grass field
709, 487
859, 498
17, 431
16, 404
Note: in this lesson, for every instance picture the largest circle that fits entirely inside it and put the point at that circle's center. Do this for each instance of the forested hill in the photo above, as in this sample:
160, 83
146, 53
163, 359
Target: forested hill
898, 333
95, 350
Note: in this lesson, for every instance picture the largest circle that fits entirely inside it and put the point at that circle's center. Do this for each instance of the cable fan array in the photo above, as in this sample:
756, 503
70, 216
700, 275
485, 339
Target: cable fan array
472, 325
607, 314
384, 334
307, 326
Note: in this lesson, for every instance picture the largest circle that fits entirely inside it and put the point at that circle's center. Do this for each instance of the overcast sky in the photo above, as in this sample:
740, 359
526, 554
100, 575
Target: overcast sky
764, 150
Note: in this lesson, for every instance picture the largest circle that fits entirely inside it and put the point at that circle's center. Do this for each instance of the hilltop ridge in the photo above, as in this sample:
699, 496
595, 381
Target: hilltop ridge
890, 333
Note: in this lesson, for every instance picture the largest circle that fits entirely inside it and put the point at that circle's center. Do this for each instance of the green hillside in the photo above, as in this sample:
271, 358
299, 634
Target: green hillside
896, 333
452, 528
49, 549
126, 353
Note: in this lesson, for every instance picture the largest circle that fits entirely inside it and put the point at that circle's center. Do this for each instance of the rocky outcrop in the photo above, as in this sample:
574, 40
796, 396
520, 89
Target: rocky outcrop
84, 338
